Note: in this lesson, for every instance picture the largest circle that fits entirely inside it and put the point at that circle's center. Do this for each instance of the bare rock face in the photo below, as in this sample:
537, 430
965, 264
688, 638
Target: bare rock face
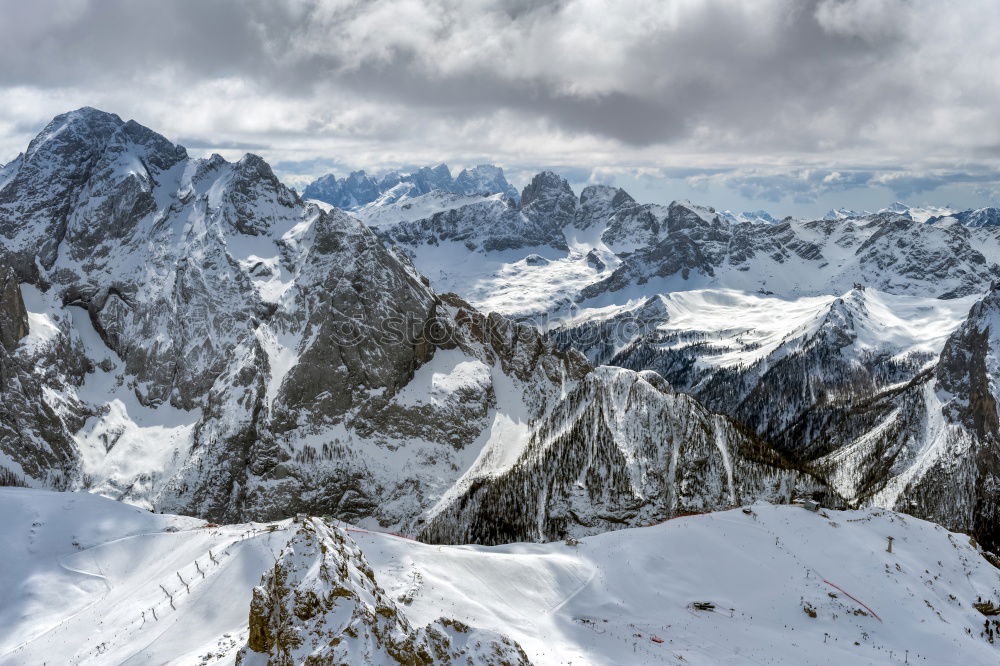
13, 316
321, 604
548, 197
35, 432
967, 369
966, 377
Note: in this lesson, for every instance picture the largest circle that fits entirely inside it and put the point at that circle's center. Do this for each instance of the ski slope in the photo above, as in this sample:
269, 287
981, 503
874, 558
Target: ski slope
83, 576
91, 581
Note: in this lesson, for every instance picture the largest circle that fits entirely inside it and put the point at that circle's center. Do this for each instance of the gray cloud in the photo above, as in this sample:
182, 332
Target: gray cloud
798, 88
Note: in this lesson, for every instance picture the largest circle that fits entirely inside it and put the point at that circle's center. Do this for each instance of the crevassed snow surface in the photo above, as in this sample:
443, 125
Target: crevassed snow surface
83, 576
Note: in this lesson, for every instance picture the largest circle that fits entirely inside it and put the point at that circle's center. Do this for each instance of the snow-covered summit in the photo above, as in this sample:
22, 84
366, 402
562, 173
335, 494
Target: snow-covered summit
917, 213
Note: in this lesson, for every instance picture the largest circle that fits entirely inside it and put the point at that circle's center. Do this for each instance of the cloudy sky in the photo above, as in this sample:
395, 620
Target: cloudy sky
788, 105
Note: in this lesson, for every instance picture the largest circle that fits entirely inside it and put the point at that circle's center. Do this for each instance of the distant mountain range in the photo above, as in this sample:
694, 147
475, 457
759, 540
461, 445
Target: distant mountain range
359, 189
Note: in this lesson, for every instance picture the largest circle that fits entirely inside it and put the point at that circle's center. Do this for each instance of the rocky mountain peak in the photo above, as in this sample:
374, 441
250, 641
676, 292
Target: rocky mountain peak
612, 197
254, 182
159, 151
598, 203
427, 179
549, 196
83, 130
837, 328
359, 189
622, 199
483, 179
685, 215
81, 154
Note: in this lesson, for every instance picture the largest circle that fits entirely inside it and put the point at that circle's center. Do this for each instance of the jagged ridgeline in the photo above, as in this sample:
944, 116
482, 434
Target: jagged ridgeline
191, 336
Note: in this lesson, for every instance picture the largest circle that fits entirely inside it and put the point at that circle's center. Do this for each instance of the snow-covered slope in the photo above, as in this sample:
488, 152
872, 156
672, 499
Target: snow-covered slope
87, 580
746, 327
90, 581
384, 212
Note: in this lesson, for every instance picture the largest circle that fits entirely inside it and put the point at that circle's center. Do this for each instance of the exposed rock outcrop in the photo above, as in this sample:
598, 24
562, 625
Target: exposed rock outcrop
13, 316
321, 604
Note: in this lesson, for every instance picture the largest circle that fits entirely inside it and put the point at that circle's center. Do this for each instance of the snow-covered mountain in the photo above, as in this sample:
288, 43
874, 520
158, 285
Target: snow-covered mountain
771, 324
737, 351
622, 449
190, 336
607, 249
359, 189
91, 581
884, 397
917, 213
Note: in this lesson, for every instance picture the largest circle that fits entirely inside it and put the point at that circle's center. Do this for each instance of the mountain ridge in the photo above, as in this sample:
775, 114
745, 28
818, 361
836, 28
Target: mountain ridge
201, 340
